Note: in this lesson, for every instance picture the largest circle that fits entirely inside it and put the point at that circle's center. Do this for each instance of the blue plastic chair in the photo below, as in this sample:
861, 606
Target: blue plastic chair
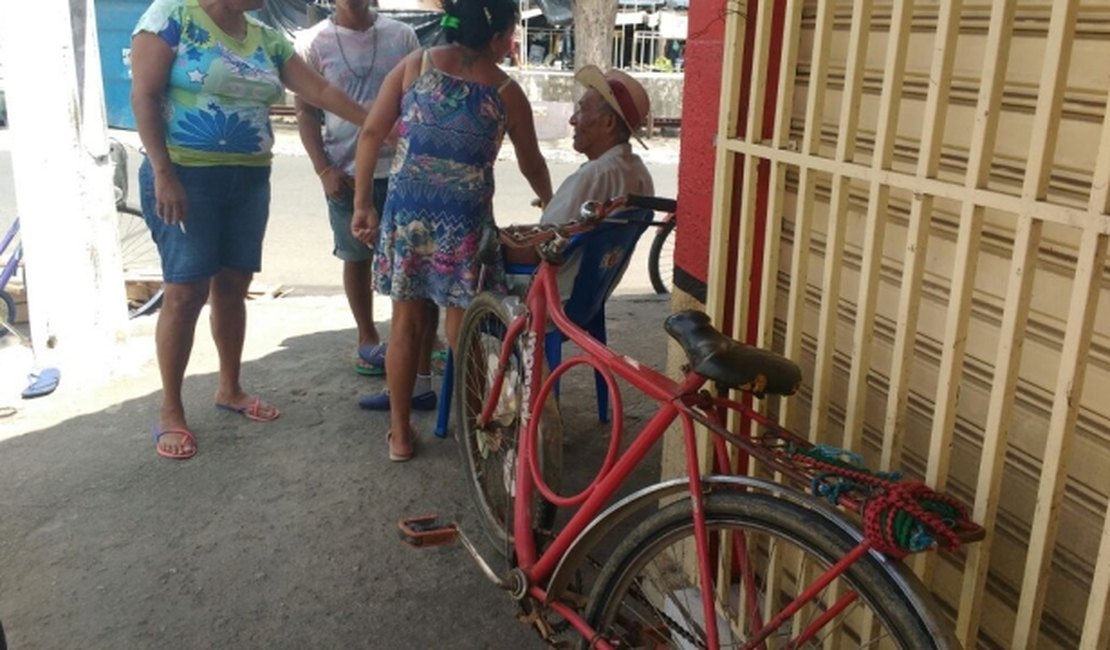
605, 252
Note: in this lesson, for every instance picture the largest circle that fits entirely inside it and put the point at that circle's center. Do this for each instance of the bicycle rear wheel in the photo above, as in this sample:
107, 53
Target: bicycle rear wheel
661, 258
142, 267
648, 594
490, 454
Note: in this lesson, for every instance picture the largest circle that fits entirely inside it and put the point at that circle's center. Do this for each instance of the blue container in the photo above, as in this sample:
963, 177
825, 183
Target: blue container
115, 20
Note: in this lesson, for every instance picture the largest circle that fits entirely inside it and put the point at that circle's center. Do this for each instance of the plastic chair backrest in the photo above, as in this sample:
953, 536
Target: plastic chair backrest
605, 253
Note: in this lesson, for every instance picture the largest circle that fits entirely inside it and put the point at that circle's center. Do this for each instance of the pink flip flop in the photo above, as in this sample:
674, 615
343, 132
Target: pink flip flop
257, 410
188, 444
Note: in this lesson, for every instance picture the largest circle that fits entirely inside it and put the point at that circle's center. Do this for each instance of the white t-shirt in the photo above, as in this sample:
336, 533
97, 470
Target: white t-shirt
616, 172
357, 62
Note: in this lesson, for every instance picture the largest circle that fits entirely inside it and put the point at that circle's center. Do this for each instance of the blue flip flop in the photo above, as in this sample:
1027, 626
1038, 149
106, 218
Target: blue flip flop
42, 383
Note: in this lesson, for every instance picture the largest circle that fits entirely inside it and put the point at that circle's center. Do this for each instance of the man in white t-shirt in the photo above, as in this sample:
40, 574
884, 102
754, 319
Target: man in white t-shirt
355, 49
607, 116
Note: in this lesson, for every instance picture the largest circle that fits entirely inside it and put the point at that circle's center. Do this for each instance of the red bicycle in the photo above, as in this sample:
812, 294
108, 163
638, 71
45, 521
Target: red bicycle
719, 559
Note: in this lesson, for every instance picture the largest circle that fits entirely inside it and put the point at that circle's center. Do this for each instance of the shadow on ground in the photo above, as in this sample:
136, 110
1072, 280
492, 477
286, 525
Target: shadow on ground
278, 535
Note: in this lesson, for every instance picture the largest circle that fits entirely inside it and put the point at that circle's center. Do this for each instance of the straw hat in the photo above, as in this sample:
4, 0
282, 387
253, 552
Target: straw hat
624, 95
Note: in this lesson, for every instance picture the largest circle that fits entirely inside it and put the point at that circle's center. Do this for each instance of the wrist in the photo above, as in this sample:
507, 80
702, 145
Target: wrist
324, 170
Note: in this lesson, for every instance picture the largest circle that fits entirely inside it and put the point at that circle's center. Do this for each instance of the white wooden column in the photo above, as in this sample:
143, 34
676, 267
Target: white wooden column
63, 185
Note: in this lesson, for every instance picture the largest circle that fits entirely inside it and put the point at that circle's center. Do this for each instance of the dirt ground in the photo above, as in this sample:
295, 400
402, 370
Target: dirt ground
279, 535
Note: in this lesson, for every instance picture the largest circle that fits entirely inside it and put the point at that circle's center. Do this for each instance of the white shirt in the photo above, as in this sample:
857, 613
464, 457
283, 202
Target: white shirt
616, 172
358, 62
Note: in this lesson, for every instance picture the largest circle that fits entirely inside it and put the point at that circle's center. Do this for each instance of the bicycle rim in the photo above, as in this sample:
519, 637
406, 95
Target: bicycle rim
142, 267
661, 259
489, 454
765, 552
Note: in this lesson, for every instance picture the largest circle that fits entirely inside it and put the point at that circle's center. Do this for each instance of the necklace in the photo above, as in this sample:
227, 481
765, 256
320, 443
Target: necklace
373, 52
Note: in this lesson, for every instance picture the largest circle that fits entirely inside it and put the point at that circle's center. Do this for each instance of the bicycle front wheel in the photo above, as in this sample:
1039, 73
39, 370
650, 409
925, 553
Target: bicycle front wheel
142, 267
661, 258
764, 552
490, 453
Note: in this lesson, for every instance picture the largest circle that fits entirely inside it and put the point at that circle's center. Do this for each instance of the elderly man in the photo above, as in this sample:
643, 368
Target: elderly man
607, 116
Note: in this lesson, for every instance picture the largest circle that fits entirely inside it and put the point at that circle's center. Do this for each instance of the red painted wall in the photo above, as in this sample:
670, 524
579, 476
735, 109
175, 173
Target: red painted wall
700, 105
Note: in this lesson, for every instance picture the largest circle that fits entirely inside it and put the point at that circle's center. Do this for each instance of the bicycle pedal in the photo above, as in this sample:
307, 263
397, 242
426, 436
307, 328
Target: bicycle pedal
427, 530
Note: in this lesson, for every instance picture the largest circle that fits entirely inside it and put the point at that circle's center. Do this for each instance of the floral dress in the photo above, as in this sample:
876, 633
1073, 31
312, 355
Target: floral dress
440, 203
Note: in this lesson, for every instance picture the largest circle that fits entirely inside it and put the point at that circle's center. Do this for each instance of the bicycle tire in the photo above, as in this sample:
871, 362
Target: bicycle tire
140, 259
489, 458
625, 609
7, 311
661, 258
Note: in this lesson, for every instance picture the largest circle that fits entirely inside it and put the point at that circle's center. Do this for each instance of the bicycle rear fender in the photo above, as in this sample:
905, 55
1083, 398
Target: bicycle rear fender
649, 497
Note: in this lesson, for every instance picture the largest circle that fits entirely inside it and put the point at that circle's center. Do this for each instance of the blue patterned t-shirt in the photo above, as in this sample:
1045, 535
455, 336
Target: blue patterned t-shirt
220, 88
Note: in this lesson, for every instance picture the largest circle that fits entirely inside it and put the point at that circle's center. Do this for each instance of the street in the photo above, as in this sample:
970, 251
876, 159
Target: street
298, 241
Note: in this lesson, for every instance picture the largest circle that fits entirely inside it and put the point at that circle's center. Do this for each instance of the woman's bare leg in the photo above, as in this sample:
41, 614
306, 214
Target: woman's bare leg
173, 340
402, 358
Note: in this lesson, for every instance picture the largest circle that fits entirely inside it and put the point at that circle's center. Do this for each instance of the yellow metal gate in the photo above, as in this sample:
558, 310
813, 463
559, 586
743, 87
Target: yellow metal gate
936, 183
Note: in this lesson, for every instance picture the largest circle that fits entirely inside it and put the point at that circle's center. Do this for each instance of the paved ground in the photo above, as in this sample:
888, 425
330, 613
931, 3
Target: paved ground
280, 535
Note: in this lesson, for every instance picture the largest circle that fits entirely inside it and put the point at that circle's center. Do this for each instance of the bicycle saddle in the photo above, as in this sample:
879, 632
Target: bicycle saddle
728, 362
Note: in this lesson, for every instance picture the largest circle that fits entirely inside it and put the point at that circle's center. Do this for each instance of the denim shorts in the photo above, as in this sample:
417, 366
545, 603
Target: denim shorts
347, 248
226, 214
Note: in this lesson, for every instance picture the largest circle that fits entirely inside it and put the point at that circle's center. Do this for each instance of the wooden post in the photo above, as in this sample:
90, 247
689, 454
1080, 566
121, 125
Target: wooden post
63, 184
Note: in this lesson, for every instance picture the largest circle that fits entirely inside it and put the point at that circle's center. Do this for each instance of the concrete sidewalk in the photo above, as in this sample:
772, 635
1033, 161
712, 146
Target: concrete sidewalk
278, 535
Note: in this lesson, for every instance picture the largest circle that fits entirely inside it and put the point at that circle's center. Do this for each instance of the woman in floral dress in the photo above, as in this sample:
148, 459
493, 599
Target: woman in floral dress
454, 105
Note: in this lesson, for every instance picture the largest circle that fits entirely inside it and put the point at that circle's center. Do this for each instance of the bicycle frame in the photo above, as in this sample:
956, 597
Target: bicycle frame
675, 400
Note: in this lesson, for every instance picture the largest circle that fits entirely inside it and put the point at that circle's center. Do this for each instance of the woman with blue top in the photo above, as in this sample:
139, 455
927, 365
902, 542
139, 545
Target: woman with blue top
204, 75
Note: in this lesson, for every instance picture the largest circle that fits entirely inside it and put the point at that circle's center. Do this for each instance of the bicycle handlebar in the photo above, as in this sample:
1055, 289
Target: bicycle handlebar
591, 214
657, 203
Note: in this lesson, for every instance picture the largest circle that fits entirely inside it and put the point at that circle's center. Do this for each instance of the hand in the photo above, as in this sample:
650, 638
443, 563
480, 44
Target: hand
364, 226
332, 181
170, 201
336, 183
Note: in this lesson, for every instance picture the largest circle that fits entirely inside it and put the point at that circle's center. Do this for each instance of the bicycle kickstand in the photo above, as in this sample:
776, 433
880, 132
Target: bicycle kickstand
427, 530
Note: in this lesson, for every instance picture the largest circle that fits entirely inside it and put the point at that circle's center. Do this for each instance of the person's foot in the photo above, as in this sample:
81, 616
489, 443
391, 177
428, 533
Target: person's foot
439, 361
401, 450
380, 401
251, 408
177, 443
371, 360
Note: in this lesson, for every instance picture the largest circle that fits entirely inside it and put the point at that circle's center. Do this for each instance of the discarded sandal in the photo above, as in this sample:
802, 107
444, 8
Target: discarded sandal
42, 383
396, 457
188, 444
257, 410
